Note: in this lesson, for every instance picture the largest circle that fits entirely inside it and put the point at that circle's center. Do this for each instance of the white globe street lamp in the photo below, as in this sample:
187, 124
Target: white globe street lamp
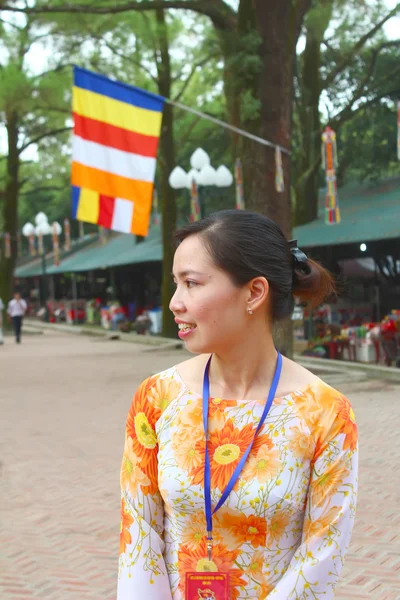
42, 229
202, 172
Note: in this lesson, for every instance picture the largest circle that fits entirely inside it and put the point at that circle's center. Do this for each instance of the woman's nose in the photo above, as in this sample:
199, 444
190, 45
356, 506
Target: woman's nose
176, 305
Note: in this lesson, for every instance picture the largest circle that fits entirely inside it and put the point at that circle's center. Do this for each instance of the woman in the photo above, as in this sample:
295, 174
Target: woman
288, 508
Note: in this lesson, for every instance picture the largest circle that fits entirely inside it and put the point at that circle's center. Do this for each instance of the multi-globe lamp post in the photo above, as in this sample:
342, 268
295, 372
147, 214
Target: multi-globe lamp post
202, 173
40, 230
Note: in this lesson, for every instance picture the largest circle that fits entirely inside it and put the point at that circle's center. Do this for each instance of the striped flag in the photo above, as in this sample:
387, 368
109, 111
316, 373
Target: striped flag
116, 133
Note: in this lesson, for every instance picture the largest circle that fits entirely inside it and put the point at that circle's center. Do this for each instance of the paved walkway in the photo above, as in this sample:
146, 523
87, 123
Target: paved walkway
63, 404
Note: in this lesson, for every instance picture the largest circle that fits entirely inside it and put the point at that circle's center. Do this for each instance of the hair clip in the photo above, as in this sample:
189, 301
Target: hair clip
299, 257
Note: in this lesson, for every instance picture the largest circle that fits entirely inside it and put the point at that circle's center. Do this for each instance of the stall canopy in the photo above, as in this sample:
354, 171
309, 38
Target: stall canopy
120, 250
368, 213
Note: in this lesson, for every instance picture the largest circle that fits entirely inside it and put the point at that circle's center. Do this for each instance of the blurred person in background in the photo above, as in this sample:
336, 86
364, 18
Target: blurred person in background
16, 311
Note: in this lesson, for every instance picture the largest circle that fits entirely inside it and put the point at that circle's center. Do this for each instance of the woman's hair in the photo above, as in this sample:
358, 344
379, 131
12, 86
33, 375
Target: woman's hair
246, 245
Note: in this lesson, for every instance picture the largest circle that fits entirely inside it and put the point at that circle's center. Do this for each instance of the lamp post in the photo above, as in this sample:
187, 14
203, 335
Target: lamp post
41, 230
202, 173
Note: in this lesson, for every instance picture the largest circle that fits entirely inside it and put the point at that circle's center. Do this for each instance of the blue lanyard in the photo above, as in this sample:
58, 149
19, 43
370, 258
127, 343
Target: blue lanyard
236, 474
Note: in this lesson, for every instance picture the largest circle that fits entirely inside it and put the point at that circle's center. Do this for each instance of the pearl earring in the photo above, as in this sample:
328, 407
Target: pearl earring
250, 311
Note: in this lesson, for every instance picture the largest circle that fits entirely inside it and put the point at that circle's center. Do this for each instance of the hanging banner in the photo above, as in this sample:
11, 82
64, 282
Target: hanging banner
56, 247
239, 185
7, 245
279, 179
156, 216
114, 152
32, 248
67, 235
19, 245
40, 244
195, 213
398, 129
329, 163
102, 234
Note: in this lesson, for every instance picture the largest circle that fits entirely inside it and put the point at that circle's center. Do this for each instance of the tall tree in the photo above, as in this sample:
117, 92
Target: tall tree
32, 108
340, 63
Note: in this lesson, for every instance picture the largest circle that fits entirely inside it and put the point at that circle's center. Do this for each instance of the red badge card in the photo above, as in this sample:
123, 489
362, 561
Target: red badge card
207, 586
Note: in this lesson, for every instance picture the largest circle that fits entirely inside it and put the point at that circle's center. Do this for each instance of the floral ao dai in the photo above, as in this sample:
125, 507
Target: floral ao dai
284, 530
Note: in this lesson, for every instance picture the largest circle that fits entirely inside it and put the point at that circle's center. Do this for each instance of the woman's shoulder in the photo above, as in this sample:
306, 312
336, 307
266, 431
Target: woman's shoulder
327, 412
161, 388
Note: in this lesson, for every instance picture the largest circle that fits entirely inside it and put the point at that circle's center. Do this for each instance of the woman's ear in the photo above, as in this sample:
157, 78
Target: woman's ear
258, 293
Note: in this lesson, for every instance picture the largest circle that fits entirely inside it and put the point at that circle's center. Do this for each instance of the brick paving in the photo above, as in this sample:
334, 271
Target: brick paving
63, 404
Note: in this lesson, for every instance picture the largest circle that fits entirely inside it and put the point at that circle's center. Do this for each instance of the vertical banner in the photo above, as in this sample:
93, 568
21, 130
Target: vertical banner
81, 230
194, 202
7, 245
102, 235
279, 179
32, 248
67, 235
56, 247
19, 244
329, 163
40, 244
239, 185
398, 129
156, 215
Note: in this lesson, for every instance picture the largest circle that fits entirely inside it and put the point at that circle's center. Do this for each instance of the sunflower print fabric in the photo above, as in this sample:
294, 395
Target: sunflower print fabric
285, 528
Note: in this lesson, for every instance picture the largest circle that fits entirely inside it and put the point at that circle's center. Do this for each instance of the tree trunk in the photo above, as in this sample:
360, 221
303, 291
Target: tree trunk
10, 207
168, 201
310, 151
308, 162
275, 93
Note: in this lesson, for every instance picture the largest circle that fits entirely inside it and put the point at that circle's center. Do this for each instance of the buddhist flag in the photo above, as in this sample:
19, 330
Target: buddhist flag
116, 133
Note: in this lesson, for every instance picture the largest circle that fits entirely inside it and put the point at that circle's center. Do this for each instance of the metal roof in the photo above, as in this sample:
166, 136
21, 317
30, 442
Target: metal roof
120, 250
368, 213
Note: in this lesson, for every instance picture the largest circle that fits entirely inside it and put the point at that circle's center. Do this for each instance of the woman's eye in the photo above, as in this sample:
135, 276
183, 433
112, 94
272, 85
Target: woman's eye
190, 284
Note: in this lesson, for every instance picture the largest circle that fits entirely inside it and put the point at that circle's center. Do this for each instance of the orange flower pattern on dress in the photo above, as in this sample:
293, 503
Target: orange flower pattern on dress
247, 530
226, 447
347, 421
131, 474
326, 485
294, 504
126, 521
265, 465
301, 443
320, 526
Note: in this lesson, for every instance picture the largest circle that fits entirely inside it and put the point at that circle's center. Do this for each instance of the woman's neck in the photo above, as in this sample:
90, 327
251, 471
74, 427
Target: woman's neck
236, 372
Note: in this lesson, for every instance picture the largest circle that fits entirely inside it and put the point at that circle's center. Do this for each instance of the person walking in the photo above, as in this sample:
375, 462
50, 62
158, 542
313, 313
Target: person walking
239, 471
16, 311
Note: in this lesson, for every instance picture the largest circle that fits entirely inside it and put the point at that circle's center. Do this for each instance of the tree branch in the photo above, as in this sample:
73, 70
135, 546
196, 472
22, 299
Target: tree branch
222, 15
37, 139
200, 64
51, 188
130, 59
361, 42
346, 114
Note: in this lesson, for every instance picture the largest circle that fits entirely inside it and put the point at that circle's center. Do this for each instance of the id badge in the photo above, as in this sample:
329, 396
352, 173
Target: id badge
207, 586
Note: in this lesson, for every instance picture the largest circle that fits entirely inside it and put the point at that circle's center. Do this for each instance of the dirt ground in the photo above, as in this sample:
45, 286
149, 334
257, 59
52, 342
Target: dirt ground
63, 404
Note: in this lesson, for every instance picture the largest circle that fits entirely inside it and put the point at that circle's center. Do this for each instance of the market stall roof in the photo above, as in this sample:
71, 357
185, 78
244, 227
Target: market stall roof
120, 250
370, 212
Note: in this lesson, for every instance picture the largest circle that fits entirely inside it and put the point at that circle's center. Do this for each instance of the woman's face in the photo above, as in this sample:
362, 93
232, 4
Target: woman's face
210, 310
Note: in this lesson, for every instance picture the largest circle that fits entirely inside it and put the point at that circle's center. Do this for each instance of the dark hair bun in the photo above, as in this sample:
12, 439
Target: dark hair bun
314, 286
